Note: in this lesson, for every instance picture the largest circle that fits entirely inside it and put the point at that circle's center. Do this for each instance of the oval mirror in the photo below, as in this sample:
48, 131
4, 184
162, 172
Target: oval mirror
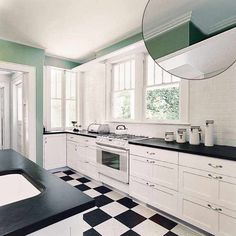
191, 39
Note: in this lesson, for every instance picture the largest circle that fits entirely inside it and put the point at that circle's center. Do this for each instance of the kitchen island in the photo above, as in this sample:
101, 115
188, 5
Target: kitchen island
55, 202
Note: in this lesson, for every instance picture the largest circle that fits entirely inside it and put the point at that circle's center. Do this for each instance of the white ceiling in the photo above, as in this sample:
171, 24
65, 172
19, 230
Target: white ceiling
72, 29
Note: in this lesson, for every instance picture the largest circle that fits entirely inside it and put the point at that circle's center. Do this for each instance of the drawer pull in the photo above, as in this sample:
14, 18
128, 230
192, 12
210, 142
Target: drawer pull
214, 208
151, 185
152, 153
71, 137
215, 166
215, 177
152, 162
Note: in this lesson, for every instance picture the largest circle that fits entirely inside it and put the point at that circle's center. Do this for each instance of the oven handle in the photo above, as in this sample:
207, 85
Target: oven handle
115, 150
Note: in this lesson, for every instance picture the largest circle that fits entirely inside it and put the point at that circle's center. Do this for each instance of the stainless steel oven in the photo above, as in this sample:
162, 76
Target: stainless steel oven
113, 162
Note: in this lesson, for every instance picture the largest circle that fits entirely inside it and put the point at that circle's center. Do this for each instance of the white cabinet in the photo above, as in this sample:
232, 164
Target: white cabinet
153, 179
81, 155
208, 216
72, 155
54, 151
159, 172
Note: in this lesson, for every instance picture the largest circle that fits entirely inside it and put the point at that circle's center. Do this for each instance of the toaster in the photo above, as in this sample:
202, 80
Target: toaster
99, 128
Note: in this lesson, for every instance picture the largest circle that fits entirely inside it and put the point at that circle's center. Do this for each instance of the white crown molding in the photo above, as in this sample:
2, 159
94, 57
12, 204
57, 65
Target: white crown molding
171, 24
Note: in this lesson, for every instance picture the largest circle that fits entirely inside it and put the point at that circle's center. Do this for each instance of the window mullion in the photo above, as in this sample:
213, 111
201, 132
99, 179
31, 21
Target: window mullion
63, 99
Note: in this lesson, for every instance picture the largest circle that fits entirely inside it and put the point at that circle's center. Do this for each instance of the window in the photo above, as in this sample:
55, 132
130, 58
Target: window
63, 99
123, 89
162, 93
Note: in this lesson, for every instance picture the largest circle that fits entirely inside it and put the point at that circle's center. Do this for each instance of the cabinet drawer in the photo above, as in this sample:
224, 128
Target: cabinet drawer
198, 213
223, 167
81, 139
164, 199
155, 153
139, 189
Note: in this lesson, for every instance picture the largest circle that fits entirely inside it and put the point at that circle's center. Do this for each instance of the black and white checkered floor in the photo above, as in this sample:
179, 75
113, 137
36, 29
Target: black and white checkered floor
115, 214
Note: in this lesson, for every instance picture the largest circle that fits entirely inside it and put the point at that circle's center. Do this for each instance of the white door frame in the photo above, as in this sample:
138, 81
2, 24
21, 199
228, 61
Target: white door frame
31, 97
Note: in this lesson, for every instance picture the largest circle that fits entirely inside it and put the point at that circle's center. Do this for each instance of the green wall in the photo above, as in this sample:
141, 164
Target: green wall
21, 54
57, 62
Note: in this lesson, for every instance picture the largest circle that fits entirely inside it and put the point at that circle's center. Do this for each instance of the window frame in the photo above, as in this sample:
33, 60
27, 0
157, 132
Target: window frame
113, 91
140, 93
183, 98
47, 100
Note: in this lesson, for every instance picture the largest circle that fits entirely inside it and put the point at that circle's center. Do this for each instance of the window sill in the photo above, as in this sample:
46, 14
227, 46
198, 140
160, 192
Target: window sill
151, 122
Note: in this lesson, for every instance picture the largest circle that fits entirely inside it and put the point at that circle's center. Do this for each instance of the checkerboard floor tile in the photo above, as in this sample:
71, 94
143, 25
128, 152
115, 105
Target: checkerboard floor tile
115, 214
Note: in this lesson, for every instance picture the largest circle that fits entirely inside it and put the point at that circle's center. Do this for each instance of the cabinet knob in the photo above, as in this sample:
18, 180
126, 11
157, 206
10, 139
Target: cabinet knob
215, 166
147, 161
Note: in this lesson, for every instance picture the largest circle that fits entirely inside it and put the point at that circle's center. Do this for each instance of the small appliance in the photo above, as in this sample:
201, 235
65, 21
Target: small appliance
121, 129
98, 128
169, 136
209, 133
195, 135
181, 136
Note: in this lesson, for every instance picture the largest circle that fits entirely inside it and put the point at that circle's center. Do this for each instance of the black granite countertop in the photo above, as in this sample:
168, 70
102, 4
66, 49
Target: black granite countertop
217, 151
82, 133
57, 200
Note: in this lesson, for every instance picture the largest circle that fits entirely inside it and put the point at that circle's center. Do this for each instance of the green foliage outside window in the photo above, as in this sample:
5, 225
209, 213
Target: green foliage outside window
163, 103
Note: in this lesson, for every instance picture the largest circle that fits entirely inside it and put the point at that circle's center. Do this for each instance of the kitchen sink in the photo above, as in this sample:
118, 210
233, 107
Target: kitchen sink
15, 187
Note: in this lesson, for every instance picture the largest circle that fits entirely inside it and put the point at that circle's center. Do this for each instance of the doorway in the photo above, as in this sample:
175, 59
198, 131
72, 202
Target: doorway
18, 109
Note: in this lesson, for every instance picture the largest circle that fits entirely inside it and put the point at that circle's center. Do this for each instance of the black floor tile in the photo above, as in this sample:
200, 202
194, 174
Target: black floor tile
130, 233
91, 232
130, 218
170, 234
83, 180
68, 172
96, 217
66, 178
102, 189
163, 221
82, 187
102, 200
127, 202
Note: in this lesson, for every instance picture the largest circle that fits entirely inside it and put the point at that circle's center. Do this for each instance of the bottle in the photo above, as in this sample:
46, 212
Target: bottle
209, 133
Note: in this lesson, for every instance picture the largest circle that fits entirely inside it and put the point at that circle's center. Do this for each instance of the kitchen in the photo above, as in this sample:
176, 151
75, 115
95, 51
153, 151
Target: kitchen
137, 139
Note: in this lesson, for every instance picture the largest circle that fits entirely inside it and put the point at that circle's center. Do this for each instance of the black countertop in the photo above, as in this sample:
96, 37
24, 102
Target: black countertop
82, 133
57, 200
217, 151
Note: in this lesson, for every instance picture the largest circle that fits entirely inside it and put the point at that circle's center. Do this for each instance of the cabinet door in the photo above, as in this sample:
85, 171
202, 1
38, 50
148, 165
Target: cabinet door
227, 223
140, 189
226, 191
198, 213
164, 199
165, 174
197, 183
54, 151
81, 158
91, 155
72, 155
140, 167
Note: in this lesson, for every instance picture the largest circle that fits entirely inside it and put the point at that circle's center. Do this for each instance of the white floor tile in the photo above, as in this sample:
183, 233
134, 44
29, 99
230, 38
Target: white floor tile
75, 176
92, 193
181, 230
60, 174
144, 211
113, 209
114, 195
73, 182
111, 227
150, 228
91, 209
93, 184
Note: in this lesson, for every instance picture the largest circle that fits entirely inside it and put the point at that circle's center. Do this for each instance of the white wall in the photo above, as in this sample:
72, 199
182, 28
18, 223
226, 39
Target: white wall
93, 95
209, 99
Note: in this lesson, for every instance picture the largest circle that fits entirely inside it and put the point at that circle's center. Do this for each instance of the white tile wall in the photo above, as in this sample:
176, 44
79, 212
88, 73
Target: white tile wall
209, 99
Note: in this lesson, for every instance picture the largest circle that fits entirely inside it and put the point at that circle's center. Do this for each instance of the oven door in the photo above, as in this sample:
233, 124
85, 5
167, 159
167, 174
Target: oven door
113, 162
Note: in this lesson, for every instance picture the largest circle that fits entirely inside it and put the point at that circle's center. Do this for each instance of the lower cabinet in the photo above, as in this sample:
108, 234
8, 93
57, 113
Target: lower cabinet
54, 151
160, 197
207, 216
